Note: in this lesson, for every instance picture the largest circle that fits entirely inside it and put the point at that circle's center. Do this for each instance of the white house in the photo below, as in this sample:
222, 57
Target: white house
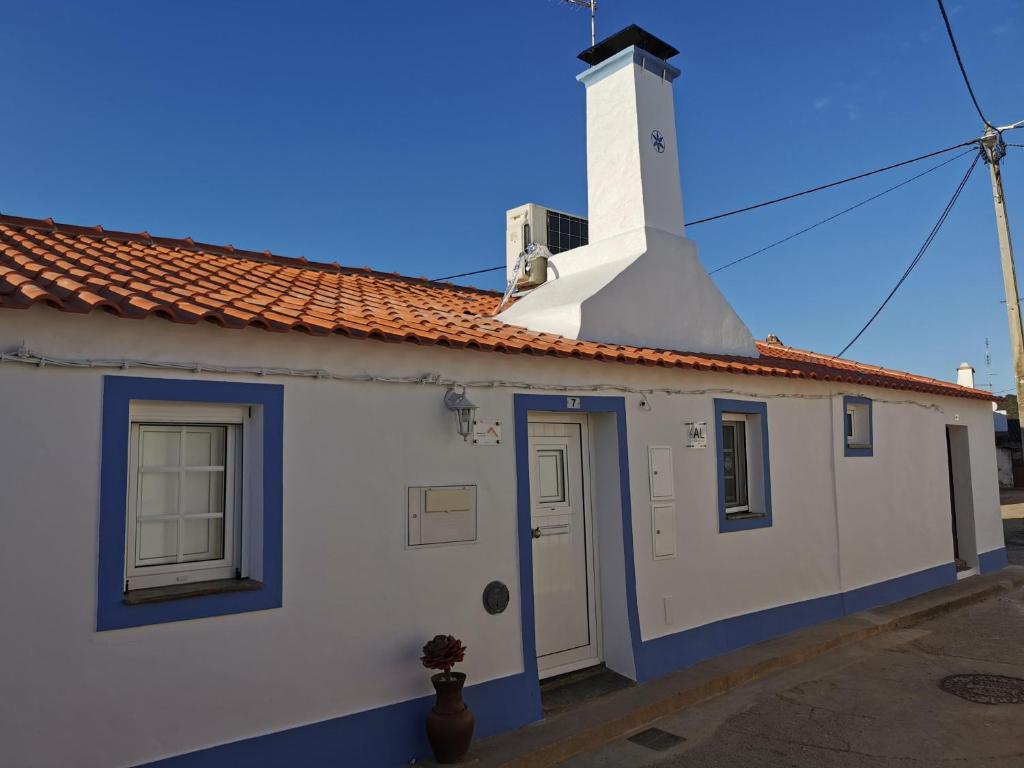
235, 503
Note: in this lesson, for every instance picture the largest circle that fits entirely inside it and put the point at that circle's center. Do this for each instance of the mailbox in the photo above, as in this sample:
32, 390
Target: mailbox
441, 514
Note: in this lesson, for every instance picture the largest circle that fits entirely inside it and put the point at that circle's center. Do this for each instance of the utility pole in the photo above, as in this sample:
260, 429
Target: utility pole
993, 148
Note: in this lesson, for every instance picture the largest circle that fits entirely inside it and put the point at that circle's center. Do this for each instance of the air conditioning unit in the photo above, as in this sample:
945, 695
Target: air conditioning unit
533, 224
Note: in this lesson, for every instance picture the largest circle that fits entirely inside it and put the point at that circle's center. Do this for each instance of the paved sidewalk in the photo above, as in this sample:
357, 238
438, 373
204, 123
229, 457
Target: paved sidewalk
608, 719
874, 704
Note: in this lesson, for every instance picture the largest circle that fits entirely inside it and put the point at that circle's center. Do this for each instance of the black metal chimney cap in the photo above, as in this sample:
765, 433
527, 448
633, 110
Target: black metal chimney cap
620, 41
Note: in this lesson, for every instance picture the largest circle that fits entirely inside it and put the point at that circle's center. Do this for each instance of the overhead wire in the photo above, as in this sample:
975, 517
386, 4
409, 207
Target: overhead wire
837, 215
960, 63
832, 184
784, 198
917, 258
467, 274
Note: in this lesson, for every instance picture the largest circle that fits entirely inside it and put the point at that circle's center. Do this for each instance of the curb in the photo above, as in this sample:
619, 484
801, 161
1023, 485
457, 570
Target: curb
587, 738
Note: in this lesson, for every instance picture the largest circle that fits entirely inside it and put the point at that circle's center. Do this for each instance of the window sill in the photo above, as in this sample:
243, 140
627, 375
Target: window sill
744, 515
194, 589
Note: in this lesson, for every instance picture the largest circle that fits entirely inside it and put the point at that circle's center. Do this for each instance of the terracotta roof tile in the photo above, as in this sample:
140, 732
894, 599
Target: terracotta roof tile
82, 269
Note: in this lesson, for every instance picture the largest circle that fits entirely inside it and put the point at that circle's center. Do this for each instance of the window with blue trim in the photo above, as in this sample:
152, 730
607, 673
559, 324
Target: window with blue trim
190, 509
858, 431
744, 475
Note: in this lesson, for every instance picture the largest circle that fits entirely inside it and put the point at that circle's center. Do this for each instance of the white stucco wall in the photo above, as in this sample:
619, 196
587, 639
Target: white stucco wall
629, 184
357, 603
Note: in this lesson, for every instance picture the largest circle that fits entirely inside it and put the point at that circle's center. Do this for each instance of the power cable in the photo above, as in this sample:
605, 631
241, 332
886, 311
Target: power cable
837, 215
832, 184
467, 274
960, 63
920, 254
772, 202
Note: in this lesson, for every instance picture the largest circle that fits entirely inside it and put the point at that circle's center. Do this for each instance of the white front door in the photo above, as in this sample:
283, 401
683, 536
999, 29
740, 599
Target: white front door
564, 587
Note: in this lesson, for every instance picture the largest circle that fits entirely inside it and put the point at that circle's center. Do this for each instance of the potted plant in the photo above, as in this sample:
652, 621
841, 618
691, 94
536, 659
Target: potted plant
450, 722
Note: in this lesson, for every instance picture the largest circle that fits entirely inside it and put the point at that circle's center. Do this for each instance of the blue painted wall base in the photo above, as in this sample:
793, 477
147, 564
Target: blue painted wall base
992, 561
682, 649
394, 734
387, 736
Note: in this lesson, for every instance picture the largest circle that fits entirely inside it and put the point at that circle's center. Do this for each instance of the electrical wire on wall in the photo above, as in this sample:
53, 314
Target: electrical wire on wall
26, 356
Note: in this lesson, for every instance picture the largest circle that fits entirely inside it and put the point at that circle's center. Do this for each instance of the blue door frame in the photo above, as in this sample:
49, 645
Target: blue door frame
523, 405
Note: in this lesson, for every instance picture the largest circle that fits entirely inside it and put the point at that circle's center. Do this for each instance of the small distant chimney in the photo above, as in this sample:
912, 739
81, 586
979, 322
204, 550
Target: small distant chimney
965, 375
638, 281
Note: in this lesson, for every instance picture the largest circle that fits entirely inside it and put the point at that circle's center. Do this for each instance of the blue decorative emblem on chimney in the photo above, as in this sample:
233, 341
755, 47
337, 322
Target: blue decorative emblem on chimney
658, 141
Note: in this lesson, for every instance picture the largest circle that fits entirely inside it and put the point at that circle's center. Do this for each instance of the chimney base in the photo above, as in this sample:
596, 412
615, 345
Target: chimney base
642, 288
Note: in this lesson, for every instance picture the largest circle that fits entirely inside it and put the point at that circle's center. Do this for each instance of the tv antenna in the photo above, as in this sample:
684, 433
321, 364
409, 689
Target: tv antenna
988, 365
592, 5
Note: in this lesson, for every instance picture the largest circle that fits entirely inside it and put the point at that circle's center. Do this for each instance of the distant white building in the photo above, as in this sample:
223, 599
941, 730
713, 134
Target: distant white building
232, 514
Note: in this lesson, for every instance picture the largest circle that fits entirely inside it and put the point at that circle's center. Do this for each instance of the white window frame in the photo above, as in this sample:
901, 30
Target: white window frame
742, 420
239, 423
858, 425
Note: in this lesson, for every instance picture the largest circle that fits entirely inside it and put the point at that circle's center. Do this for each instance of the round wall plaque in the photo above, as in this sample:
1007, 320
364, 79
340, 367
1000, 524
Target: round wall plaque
495, 597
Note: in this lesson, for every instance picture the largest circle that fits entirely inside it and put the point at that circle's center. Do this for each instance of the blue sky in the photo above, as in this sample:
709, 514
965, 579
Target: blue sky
397, 134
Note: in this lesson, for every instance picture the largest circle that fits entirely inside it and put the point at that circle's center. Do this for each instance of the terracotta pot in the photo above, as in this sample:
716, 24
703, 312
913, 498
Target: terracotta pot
450, 723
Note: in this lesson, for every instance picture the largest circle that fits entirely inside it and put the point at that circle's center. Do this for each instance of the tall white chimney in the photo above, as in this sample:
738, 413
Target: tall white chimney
632, 160
965, 375
639, 281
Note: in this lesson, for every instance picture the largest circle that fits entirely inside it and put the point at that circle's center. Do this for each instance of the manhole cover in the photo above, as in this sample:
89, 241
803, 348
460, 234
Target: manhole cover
985, 689
656, 739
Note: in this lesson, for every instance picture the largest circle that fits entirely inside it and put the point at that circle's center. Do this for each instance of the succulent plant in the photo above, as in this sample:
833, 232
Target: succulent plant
443, 652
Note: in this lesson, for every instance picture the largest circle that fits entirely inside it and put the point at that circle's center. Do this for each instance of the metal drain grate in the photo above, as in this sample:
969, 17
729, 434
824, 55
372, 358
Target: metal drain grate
985, 689
656, 739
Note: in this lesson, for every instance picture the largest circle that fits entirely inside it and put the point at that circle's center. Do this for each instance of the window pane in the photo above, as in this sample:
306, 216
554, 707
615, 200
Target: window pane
729, 463
203, 539
205, 447
551, 475
849, 423
160, 447
158, 493
734, 463
157, 539
204, 493
741, 464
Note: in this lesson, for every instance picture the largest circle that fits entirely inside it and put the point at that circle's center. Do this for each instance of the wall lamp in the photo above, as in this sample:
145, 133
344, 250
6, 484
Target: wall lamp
455, 400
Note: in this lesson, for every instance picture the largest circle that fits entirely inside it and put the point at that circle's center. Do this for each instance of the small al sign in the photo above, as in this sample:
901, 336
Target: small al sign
487, 432
696, 434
